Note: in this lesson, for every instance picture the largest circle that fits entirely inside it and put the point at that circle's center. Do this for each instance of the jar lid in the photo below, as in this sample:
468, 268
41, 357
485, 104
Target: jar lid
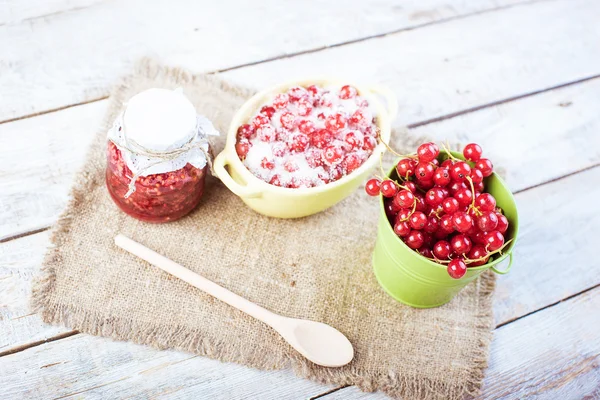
160, 119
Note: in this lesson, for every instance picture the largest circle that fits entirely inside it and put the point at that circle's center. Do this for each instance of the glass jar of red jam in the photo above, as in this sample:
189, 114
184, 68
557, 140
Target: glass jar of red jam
158, 156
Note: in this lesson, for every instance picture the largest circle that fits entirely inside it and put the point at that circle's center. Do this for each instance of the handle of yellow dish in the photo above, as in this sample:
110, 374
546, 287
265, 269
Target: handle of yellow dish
505, 271
242, 191
390, 99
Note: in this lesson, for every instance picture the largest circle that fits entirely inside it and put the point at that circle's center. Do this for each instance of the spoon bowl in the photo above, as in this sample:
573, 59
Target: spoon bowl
318, 342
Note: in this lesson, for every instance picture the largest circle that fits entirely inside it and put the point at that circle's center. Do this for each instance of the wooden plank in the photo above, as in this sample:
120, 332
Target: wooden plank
38, 158
17, 11
445, 68
74, 57
555, 255
525, 135
552, 354
97, 368
19, 262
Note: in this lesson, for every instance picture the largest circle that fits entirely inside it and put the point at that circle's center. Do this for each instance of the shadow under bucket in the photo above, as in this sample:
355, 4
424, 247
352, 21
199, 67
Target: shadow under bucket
418, 282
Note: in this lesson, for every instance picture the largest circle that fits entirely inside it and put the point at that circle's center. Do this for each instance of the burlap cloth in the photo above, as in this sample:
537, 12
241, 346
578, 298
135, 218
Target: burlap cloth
317, 268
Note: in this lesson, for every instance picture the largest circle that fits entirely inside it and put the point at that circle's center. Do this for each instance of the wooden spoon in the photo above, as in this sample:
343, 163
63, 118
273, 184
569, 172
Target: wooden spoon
318, 342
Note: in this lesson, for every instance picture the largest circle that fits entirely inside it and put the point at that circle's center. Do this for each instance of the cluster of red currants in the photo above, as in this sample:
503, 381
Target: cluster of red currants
438, 206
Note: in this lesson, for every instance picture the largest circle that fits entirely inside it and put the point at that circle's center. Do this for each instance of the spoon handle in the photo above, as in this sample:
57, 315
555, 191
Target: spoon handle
198, 281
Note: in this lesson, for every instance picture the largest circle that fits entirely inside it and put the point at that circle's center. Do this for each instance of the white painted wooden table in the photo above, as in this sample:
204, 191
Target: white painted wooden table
522, 78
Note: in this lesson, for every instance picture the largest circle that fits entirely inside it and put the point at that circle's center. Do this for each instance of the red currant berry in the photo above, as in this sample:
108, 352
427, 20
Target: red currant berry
299, 143
442, 250
479, 237
478, 187
390, 211
472, 152
457, 268
321, 138
245, 131
461, 244
485, 166
259, 120
307, 127
502, 223
476, 175
404, 198
313, 90
290, 166
485, 202
405, 168
268, 111
434, 197
304, 107
373, 187
432, 224
446, 223
410, 185
242, 149
369, 143
347, 92
335, 122
401, 228
462, 221
420, 202
333, 155
424, 171
415, 239
494, 240
404, 214
389, 188
459, 171
275, 180
425, 251
464, 197
441, 177
427, 152
447, 163
297, 92
450, 205
456, 186
425, 184
477, 252
287, 120
281, 101
417, 220
487, 221
351, 162
267, 163
353, 140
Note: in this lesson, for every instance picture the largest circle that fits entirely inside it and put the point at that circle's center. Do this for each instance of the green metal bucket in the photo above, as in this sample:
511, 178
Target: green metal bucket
418, 282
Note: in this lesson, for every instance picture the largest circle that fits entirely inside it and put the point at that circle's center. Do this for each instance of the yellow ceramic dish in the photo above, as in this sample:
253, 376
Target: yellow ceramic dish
275, 201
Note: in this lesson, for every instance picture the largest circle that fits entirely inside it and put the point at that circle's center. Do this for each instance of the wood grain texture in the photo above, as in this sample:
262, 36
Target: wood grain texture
19, 261
73, 57
444, 68
38, 158
17, 11
97, 368
552, 354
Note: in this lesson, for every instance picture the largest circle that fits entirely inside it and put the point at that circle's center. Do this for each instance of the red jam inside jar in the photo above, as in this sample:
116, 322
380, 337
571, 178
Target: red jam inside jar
157, 198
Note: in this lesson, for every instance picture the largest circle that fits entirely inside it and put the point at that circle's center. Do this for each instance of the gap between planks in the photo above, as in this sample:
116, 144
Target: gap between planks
326, 47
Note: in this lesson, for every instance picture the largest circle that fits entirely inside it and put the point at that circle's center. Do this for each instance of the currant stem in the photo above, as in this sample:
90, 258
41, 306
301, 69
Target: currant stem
469, 261
449, 153
472, 206
396, 153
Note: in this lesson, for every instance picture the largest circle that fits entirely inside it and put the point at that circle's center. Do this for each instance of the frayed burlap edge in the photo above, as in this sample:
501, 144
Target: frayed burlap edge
183, 339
